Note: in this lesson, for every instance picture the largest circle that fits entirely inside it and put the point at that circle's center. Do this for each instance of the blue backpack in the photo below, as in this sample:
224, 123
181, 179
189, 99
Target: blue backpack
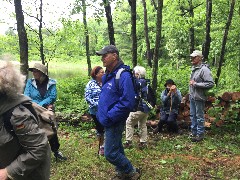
143, 91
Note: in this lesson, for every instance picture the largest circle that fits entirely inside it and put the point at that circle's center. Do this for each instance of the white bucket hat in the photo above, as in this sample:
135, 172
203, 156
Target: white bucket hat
39, 67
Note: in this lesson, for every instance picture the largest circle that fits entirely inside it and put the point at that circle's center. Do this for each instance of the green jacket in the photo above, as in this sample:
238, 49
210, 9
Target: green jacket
25, 153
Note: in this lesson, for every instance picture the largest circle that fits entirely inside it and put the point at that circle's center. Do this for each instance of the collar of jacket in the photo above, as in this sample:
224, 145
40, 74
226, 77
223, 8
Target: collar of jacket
10, 102
50, 82
199, 66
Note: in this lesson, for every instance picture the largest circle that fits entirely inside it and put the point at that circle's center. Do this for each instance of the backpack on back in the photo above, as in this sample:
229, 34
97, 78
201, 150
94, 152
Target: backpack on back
142, 92
46, 119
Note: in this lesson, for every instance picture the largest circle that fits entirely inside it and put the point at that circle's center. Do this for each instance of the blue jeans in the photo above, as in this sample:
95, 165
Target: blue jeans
197, 117
113, 148
169, 119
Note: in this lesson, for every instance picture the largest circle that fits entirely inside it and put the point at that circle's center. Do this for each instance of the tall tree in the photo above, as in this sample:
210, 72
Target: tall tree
40, 32
146, 33
108, 12
132, 4
206, 45
191, 29
86, 36
224, 41
157, 45
22, 36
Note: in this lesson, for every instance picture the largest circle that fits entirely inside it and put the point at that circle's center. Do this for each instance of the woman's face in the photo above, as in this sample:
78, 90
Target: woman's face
100, 74
37, 74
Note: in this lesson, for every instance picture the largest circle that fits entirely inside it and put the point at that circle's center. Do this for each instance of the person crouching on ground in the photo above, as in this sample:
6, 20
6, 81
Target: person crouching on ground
171, 99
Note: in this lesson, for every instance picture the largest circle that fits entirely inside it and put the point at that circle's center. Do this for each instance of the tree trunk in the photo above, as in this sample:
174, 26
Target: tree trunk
224, 41
22, 36
191, 30
86, 36
40, 33
146, 34
132, 3
206, 46
109, 21
238, 68
157, 45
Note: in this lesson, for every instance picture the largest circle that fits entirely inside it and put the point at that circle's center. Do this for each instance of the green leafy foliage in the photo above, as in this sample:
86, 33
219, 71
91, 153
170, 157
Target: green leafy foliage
71, 95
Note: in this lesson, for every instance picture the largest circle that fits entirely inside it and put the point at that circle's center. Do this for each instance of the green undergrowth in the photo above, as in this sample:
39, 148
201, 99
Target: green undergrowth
167, 156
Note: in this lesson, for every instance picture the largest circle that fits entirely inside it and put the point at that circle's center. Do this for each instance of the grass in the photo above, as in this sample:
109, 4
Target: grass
167, 156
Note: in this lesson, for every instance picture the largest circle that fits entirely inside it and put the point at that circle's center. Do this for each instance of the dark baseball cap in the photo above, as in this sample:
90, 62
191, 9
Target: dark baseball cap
169, 81
107, 49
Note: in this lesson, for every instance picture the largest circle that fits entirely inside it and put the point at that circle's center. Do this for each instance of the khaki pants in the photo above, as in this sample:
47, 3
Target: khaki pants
134, 118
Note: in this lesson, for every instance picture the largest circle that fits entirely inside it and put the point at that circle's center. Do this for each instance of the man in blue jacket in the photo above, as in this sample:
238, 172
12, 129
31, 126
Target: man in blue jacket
114, 106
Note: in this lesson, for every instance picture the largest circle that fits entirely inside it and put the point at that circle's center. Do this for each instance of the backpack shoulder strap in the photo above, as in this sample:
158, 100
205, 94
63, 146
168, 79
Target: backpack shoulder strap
118, 75
6, 121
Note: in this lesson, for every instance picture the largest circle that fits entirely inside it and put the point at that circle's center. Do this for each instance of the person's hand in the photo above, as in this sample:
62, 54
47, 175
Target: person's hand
192, 82
50, 107
173, 89
3, 174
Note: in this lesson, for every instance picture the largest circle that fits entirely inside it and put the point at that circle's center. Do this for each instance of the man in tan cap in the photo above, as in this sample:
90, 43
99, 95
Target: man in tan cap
200, 80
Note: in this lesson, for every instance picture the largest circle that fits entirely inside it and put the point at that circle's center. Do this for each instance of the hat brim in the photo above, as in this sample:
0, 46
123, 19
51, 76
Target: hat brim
31, 69
193, 55
100, 53
169, 83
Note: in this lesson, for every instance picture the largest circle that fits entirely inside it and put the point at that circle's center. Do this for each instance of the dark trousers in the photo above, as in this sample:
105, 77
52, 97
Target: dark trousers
170, 120
99, 127
54, 143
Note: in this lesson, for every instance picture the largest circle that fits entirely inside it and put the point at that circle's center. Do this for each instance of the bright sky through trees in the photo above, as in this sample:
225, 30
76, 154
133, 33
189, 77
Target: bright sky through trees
52, 11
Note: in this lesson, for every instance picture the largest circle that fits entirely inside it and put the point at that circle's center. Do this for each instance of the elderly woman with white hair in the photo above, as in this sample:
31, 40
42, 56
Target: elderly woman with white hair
24, 149
42, 90
140, 116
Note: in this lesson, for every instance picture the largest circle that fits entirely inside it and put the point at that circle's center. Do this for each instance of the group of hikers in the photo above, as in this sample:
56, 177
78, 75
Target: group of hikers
111, 100
24, 147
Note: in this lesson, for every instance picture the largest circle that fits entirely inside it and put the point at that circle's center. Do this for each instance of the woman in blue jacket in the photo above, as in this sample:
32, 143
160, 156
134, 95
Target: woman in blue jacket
42, 90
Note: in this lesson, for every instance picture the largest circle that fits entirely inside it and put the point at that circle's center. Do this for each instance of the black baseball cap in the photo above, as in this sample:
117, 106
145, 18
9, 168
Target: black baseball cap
108, 49
169, 81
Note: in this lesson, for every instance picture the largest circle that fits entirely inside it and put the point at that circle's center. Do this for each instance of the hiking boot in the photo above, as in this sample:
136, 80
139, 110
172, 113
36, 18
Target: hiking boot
101, 151
198, 138
128, 145
118, 176
192, 136
59, 156
142, 145
135, 175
